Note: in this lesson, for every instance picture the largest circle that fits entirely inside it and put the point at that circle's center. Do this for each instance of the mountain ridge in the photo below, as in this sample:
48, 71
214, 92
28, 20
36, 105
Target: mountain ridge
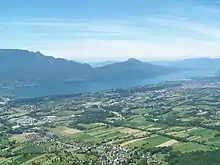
24, 65
198, 63
202, 63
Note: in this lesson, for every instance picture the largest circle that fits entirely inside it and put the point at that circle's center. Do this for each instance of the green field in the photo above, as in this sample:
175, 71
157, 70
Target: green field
64, 113
178, 134
141, 122
111, 135
141, 110
149, 142
91, 125
33, 149
189, 147
75, 134
96, 130
2, 160
85, 137
63, 130
118, 142
204, 134
4, 143
183, 108
215, 141
101, 131
30, 160
21, 137
23, 159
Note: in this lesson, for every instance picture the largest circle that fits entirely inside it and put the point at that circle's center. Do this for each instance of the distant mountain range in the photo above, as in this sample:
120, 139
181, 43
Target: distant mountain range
193, 63
200, 63
20, 65
31, 74
25, 66
33, 67
131, 69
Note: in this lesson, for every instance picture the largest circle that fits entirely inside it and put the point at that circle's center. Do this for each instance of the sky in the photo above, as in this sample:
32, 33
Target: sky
100, 30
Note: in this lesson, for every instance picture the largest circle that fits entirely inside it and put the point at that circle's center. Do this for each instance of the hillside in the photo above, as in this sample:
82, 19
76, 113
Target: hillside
131, 69
23, 65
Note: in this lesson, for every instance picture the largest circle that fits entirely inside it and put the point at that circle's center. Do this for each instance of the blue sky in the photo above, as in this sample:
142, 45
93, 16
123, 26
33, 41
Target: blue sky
98, 30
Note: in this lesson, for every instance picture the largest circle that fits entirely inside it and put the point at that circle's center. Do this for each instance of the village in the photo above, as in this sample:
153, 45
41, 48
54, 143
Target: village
138, 125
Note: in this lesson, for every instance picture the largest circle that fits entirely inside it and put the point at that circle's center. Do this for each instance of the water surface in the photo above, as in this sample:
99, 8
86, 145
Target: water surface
57, 88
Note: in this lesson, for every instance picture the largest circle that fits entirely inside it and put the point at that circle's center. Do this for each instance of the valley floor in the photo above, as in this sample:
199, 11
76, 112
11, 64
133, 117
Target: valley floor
154, 124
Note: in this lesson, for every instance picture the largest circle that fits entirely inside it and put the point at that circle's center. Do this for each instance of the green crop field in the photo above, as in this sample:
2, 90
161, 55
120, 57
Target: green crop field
178, 134
118, 142
64, 113
111, 135
96, 130
33, 150
204, 134
215, 141
148, 142
85, 137
63, 130
2, 159
142, 110
4, 143
189, 147
23, 159
21, 137
141, 122
91, 125
157, 140
102, 131
137, 143
30, 160
182, 108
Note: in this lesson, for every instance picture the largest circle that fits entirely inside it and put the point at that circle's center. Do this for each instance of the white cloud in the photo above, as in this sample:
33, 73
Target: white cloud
148, 37
197, 28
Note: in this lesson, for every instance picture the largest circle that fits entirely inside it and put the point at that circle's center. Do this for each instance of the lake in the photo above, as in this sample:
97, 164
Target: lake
58, 88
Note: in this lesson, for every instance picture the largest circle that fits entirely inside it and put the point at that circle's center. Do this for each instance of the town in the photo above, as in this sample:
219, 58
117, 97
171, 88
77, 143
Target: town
139, 125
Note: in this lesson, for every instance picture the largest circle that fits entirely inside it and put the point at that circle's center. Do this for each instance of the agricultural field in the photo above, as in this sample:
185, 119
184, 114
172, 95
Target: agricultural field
30, 161
189, 147
142, 110
85, 137
167, 143
22, 137
204, 134
91, 125
75, 134
141, 122
148, 142
62, 130
2, 160
183, 108
65, 113
151, 123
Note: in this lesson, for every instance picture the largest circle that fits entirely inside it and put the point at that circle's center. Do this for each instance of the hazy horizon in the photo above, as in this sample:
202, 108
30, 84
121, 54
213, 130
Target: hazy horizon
97, 30
102, 61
